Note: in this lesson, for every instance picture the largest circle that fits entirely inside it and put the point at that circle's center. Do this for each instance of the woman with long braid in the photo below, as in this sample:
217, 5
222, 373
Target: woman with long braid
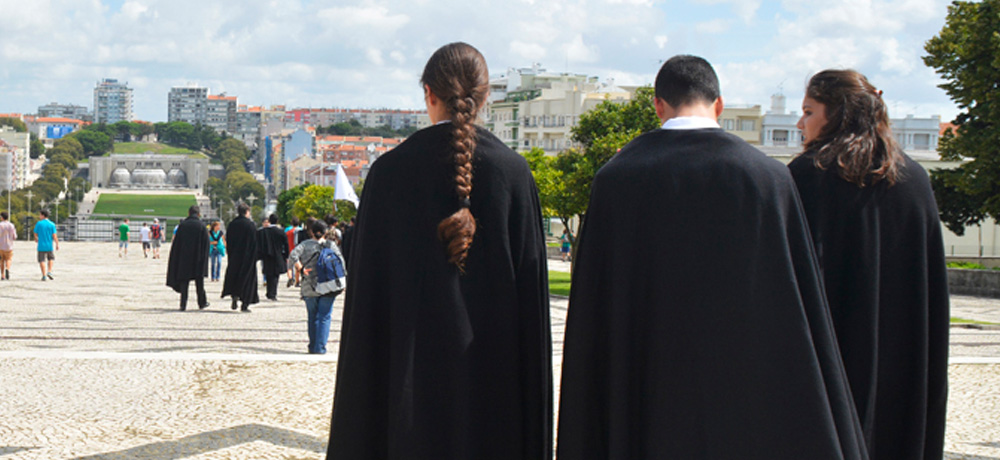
445, 347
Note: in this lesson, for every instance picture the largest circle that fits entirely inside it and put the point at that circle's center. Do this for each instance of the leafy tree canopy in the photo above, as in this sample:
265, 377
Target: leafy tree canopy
94, 142
966, 54
18, 125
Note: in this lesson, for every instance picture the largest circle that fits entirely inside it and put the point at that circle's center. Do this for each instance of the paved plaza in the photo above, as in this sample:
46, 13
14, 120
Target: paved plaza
99, 364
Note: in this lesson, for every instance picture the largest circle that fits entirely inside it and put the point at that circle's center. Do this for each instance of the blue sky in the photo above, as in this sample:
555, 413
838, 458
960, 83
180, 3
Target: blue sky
369, 53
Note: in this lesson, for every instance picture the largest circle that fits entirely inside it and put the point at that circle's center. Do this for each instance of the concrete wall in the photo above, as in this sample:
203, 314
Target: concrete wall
980, 283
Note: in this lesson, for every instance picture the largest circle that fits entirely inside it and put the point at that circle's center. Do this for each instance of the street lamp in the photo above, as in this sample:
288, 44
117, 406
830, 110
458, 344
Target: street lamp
57, 209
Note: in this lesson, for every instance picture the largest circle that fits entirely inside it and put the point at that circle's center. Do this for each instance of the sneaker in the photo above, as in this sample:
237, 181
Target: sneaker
291, 281
43, 278
8, 273
49, 274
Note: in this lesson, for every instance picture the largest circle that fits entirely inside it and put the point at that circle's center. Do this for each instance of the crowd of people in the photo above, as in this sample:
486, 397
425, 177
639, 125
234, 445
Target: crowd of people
723, 305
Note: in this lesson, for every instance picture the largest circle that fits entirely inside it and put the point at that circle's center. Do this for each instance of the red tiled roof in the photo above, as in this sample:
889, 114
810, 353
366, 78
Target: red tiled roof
58, 120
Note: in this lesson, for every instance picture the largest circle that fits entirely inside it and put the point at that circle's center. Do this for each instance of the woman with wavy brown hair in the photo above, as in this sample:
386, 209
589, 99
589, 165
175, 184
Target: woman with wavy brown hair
875, 227
446, 346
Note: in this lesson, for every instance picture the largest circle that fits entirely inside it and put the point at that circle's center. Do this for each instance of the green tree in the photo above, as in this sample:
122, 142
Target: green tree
286, 202
37, 146
316, 201
966, 54
94, 142
70, 146
601, 132
18, 125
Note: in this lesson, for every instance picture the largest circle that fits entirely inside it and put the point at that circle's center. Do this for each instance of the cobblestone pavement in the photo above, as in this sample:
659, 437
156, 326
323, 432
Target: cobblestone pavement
99, 364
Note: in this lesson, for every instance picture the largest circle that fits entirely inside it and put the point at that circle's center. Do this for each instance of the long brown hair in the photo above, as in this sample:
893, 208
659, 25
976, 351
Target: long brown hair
857, 137
457, 75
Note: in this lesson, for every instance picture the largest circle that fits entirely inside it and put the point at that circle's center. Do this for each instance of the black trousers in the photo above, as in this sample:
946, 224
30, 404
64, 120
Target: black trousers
199, 286
272, 286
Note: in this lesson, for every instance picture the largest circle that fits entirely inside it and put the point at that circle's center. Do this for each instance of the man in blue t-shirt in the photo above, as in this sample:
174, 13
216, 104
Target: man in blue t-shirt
45, 235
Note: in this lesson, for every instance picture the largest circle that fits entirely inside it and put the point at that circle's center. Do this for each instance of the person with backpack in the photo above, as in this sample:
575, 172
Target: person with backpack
155, 237
321, 267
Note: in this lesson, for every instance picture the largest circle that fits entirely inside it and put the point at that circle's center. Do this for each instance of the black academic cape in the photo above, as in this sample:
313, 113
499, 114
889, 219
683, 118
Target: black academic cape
241, 273
435, 364
188, 258
881, 251
345, 243
272, 250
697, 325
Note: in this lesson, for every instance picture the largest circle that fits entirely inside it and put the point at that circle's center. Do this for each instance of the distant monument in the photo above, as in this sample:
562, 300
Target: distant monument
148, 171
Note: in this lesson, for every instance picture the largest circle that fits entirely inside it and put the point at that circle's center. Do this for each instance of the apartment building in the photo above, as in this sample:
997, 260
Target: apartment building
744, 121
220, 113
917, 134
15, 154
369, 118
112, 102
778, 127
71, 111
187, 104
531, 107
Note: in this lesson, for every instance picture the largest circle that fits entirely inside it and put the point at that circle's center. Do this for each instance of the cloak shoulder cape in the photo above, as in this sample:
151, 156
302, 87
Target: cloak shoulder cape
697, 325
272, 244
434, 363
881, 252
188, 257
241, 250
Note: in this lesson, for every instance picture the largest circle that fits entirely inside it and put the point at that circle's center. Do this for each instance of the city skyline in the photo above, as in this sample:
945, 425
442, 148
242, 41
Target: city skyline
369, 54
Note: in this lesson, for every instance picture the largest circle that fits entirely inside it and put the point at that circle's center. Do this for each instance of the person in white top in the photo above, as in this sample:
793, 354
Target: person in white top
144, 237
8, 233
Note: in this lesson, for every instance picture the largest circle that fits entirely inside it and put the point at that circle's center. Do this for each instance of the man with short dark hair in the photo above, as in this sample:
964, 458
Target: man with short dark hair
241, 273
697, 324
156, 237
48, 242
8, 233
188, 259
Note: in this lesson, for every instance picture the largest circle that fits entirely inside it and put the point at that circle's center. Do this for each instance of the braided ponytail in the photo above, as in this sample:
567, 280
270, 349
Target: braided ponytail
457, 75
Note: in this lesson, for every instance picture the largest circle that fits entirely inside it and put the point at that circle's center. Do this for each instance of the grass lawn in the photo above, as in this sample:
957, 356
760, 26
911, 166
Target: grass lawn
955, 320
143, 147
559, 283
144, 205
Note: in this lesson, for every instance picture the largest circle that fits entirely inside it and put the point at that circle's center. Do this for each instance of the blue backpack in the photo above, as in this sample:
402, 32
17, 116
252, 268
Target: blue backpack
331, 277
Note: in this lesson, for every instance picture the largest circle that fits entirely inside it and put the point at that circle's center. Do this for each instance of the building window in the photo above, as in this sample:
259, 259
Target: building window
729, 125
747, 125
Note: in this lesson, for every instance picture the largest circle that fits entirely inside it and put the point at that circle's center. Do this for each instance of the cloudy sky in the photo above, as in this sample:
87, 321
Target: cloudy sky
369, 53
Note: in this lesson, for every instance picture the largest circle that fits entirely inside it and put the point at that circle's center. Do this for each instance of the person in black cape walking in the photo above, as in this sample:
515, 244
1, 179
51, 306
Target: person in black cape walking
875, 225
697, 326
241, 272
188, 258
446, 344
273, 246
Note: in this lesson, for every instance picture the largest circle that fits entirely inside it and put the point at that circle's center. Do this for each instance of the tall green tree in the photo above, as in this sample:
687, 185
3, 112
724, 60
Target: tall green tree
286, 203
316, 201
94, 142
966, 54
37, 146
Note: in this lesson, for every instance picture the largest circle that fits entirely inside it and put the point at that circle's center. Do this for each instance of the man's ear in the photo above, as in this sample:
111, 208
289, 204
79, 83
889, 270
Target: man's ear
718, 106
663, 110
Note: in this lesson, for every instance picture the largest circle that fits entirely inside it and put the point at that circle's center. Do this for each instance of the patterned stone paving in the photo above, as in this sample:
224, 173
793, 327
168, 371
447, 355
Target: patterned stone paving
100, 365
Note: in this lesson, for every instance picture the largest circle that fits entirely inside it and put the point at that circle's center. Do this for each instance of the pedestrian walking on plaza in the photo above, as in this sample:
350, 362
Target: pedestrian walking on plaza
144, 238
446, 346
8, 234
188, 259
697, 326
878, 237
318, 305
273, 253
123, 239
156, 237
217, 250
241, 271
48, 243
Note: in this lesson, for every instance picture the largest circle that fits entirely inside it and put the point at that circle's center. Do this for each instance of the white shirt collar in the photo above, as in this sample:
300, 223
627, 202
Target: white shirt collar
446, 120
690, 123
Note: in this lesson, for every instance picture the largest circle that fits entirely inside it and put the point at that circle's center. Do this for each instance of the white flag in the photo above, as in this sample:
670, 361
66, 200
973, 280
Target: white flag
343, 189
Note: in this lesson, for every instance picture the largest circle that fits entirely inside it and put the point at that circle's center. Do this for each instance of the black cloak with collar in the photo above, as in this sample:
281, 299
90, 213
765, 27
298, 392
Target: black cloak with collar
188, 258
697, 324
882, 255
435, 364
241, 249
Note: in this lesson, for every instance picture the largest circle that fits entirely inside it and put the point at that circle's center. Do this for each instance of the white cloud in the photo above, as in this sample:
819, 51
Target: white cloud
578, 51
713, 27
374, 56
528, 51
661, 41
